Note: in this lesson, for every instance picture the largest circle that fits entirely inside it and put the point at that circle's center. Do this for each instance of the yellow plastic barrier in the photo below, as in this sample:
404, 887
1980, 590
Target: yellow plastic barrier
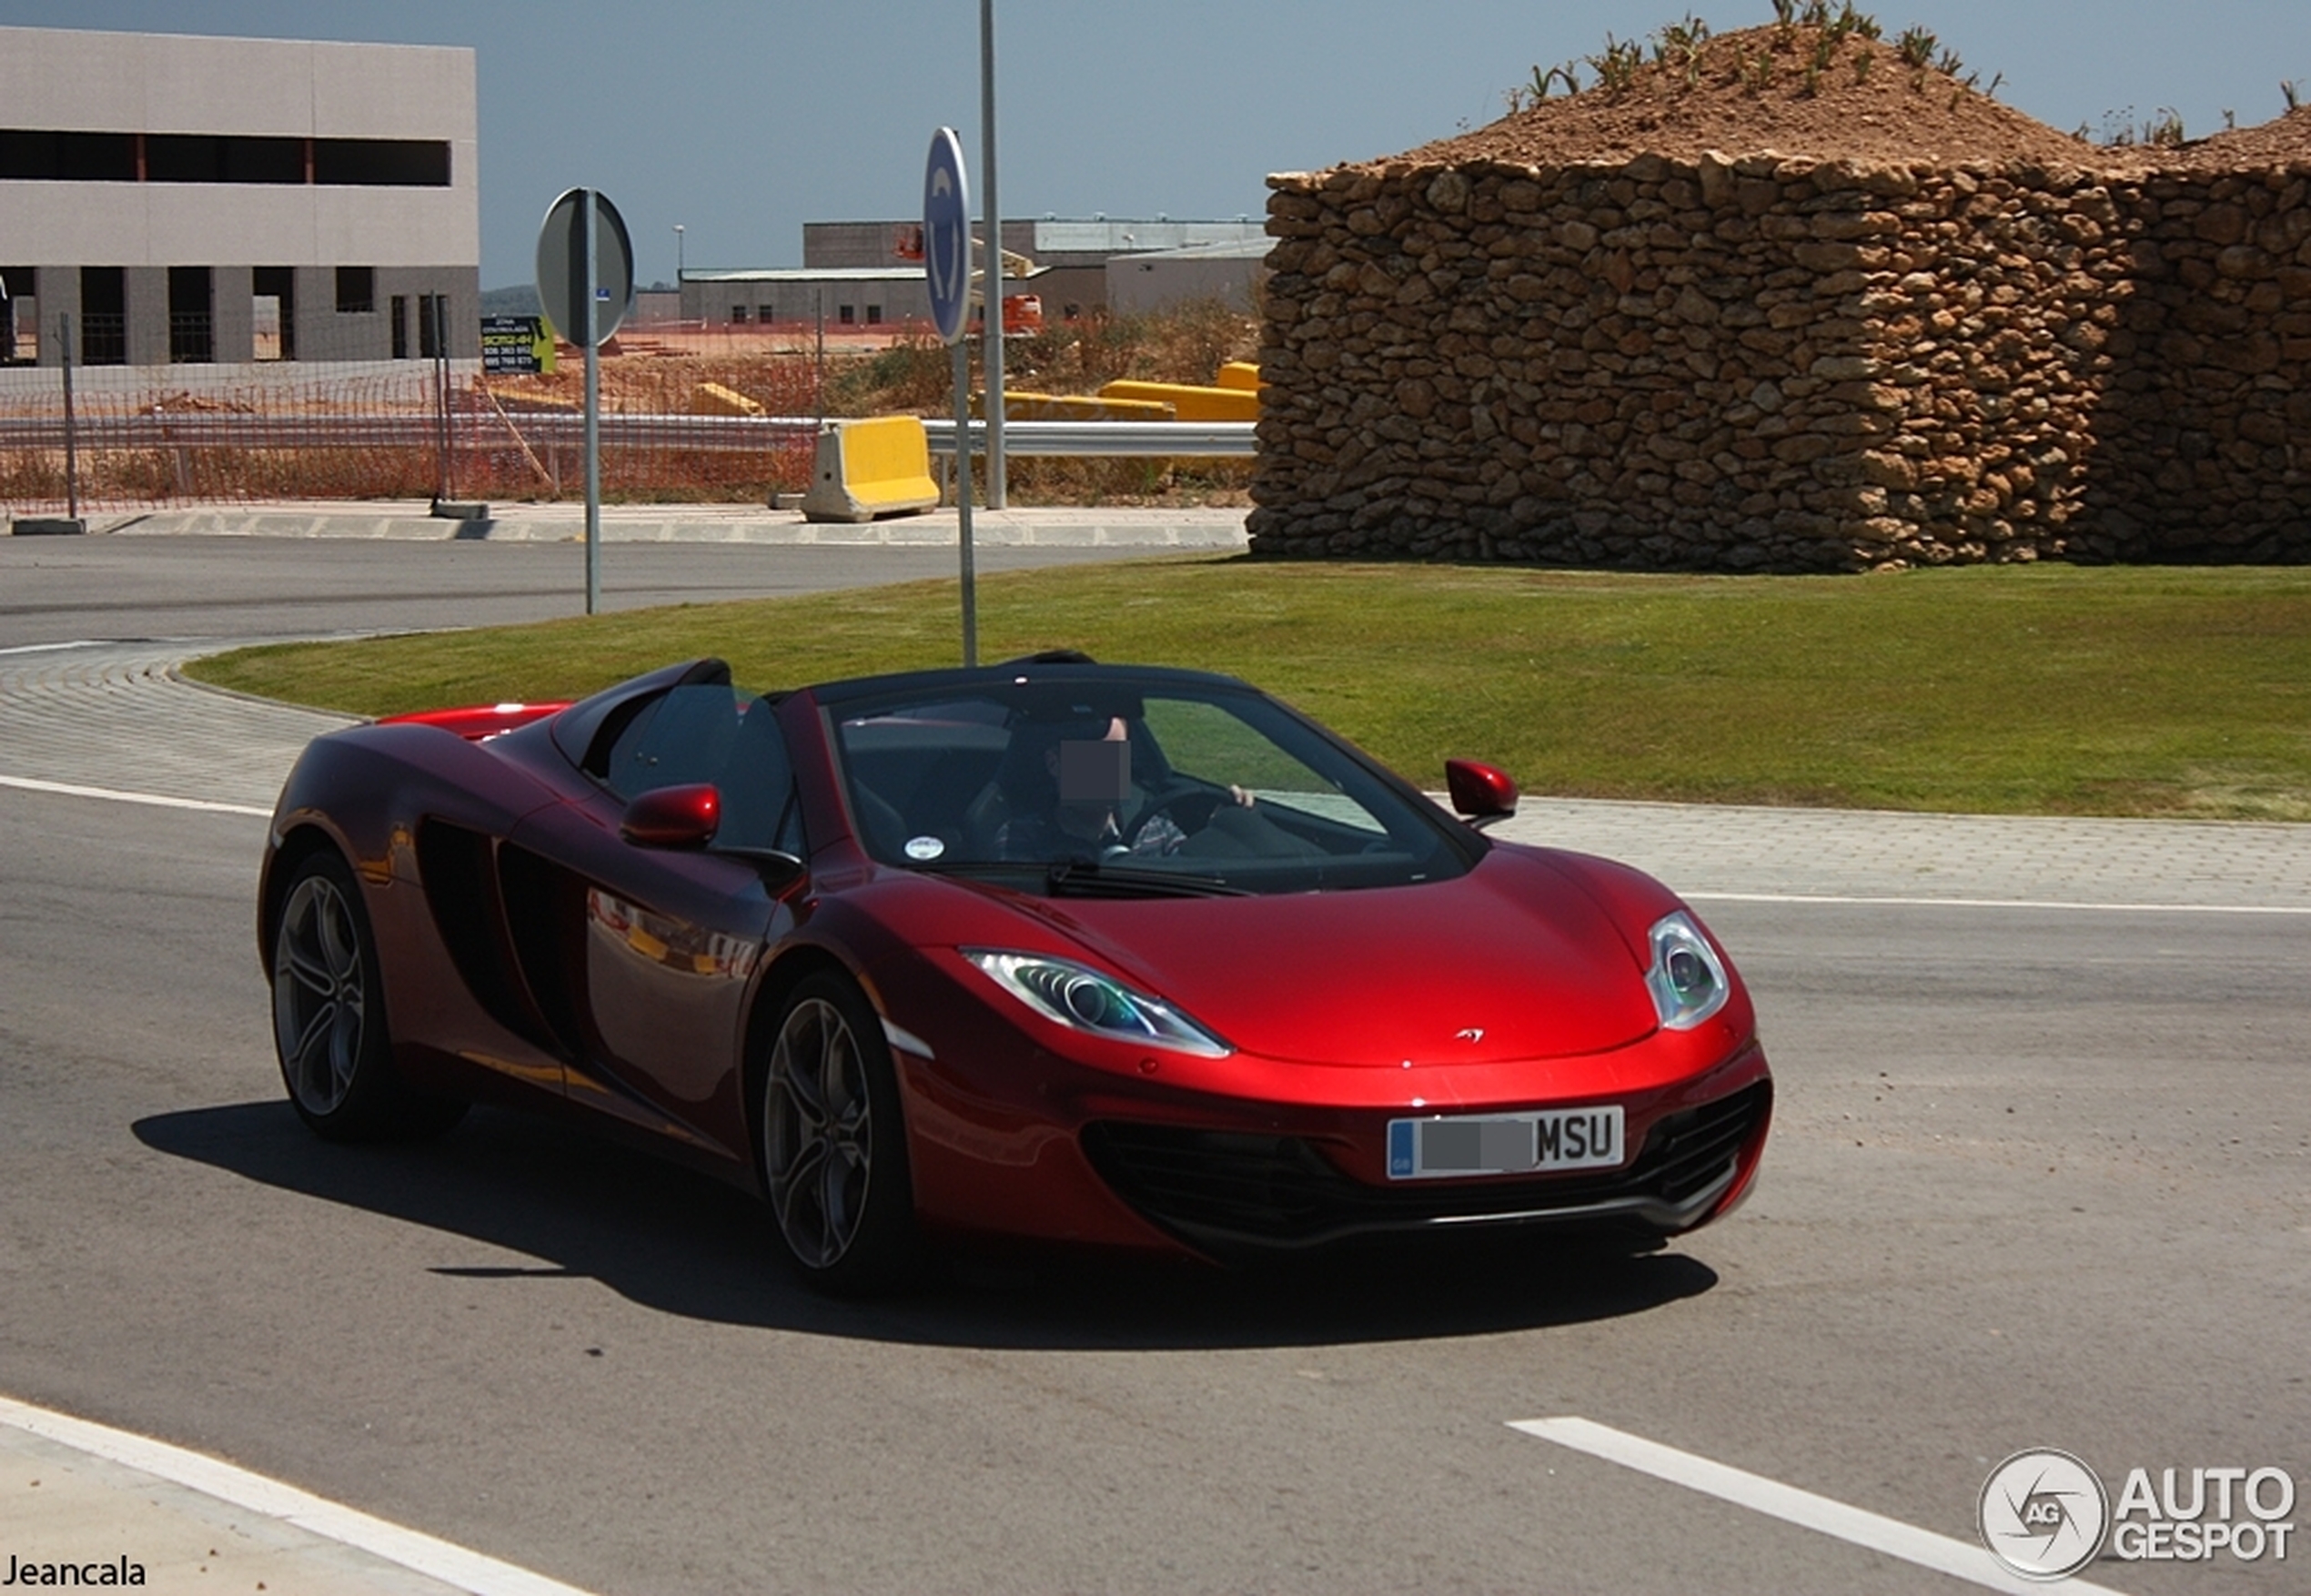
1240, 374
1190, 403
1058, 407
866, 469
712, 398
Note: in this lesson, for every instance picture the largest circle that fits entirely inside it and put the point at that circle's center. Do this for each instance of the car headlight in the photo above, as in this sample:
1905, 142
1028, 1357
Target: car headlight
1687, 978
1085, 1000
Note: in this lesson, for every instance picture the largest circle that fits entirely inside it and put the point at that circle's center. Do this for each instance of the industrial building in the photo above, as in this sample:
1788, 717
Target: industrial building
868, 273
220, 200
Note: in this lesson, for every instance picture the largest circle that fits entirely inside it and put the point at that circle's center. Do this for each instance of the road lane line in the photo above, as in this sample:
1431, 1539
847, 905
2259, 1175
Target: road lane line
31, 784
438, 1560
2000, 904
1959, 1559
43, 648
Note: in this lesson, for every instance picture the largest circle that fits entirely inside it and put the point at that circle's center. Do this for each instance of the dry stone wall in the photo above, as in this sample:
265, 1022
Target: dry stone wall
1766, 363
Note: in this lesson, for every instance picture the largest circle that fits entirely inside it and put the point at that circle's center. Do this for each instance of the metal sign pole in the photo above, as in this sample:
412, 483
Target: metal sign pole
963, 500
585, 282
72, 448
593, 405
441, 395
991, 329
947, 273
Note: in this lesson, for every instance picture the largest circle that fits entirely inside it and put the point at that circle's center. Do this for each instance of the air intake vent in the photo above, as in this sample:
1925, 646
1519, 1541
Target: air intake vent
1281, 1191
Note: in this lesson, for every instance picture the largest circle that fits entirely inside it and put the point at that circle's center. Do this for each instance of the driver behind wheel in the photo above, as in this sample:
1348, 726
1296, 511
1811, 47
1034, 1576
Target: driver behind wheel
1093, 808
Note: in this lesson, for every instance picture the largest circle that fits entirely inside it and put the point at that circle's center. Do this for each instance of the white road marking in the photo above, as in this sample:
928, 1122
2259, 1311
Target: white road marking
41, 647
2001, 903
30, 784
438, 1560
1959, 1559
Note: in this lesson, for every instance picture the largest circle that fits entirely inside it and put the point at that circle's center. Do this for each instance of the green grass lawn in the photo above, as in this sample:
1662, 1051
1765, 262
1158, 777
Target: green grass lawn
2177, 691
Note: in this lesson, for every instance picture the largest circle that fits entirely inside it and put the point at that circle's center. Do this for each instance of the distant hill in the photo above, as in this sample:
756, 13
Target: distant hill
520, 300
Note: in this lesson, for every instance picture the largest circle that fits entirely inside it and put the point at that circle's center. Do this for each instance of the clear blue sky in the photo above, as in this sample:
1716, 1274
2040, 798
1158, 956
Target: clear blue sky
743, 119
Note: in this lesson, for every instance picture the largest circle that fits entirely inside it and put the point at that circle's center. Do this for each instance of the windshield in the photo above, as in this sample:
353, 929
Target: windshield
1104, 788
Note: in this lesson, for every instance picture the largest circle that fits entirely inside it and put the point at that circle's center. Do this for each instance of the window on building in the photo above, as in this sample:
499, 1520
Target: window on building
399, 320
763, 314
874, 315
104, 315
28, 154
19, 316
273, 295
433, 315
406, 163
846, 314
205, 157
43, 154
192, 318
738, 315
356, 289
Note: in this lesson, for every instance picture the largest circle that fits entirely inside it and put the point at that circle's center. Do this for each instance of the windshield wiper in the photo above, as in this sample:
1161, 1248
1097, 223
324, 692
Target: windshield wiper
1090, 878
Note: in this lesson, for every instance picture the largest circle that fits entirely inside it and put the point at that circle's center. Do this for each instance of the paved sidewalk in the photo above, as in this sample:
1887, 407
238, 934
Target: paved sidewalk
1065, 526
115, 716
102, 1501
1732, 851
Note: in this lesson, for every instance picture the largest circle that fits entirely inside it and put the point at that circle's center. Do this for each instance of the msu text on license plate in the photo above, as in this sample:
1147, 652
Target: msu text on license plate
1506, 1144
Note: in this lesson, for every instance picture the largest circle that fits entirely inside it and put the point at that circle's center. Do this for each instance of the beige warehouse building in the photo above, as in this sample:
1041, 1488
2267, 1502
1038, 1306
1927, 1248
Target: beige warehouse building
222, 200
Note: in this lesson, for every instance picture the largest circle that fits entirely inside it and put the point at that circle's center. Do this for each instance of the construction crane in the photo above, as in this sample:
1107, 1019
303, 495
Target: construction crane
1022, 313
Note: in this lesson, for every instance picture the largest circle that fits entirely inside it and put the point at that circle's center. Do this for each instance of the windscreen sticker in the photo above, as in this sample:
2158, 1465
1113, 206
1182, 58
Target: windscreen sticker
925, 847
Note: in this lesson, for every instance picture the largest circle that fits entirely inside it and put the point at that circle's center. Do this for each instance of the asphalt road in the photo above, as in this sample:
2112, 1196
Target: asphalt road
56, 589
2039, 1178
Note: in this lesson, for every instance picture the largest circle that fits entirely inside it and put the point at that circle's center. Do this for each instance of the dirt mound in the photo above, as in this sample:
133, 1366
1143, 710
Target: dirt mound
1801, 90
2284, 141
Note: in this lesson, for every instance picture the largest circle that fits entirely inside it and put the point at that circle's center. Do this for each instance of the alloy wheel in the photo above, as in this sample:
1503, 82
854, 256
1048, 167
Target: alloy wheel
320, 993
818, 1133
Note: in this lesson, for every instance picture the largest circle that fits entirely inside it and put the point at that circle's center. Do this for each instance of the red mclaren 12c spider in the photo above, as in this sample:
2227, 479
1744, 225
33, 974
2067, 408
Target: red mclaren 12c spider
1121, 957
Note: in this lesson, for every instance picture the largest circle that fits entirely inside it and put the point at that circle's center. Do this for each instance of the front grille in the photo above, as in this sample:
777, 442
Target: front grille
1280, 1191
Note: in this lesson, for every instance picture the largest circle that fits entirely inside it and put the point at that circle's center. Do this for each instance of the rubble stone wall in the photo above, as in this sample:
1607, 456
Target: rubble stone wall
1771, 363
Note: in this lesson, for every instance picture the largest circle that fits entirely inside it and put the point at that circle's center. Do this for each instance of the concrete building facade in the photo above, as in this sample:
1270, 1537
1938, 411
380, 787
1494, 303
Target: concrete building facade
199, 200
861, 273
1229, 273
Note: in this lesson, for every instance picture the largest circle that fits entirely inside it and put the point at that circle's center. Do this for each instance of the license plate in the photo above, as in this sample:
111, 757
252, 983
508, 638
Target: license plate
1506, 1144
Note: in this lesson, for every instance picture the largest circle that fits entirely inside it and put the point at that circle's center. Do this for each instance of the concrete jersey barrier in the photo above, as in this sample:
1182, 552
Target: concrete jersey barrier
871, 467
1189, 401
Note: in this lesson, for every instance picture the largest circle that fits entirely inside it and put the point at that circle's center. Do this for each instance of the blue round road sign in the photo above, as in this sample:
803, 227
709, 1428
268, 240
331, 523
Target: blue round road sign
947, 236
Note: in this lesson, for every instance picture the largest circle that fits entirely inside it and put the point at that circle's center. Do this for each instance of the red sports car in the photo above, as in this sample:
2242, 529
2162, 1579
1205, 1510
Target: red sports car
1129, 958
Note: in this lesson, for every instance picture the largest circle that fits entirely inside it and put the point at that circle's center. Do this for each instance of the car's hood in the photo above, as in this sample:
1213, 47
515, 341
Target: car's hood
1512, 961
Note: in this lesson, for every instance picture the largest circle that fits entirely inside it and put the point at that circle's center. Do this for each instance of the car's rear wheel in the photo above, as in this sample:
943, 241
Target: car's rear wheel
329, 1015
835, 1153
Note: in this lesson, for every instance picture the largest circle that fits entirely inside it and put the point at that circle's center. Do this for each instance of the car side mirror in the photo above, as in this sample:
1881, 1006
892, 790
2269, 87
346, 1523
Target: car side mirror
1482, 793
673, 817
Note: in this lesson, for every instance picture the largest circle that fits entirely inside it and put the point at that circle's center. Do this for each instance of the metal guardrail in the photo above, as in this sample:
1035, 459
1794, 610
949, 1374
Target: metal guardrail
400, 429
484, 429
1171, 440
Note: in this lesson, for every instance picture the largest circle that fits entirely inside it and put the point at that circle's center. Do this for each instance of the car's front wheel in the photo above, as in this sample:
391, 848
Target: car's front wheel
835, 1153
329, 1015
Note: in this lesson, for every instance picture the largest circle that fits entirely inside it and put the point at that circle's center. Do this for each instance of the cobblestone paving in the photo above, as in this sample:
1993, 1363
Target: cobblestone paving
1732, 851
1046, 527
114, 716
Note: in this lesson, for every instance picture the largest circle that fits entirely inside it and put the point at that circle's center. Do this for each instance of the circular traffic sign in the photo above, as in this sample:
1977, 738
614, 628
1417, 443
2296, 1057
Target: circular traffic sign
561, 266
946, 235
